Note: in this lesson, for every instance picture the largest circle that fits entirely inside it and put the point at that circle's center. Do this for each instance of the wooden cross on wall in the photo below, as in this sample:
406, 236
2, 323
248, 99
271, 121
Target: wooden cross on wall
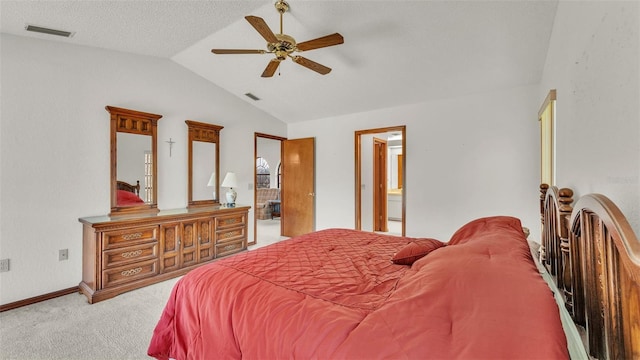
170, 142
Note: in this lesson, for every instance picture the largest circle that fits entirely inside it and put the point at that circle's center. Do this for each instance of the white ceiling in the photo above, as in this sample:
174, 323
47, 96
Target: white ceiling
395, 52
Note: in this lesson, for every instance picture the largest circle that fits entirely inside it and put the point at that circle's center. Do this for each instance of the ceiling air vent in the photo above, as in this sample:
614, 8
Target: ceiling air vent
48, 31
252, 97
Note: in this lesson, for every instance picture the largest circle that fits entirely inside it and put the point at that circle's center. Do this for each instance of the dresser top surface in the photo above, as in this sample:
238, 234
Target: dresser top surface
204, 210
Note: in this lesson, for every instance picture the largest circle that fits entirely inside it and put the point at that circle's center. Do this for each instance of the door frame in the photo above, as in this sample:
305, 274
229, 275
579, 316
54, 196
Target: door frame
358, 171
255, 181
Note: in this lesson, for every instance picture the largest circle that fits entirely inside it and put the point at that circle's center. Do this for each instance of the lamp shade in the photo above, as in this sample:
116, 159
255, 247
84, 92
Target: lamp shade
230, 180
212, 179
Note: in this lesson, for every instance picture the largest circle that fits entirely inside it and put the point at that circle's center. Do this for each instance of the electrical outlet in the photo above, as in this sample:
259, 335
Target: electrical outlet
63, 254
4, 265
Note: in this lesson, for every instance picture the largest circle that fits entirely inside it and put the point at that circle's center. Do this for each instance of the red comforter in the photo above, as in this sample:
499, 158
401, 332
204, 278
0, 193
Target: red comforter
335, 294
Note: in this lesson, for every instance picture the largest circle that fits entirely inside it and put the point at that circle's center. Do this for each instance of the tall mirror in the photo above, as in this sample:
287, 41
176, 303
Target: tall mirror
133, 161
204, 161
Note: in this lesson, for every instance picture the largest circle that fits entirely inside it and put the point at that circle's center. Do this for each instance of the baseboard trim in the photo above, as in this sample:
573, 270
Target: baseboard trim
37, 299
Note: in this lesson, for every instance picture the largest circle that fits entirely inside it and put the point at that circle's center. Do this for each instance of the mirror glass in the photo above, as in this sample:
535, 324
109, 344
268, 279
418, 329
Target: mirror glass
135, 161
204, 171
204, 159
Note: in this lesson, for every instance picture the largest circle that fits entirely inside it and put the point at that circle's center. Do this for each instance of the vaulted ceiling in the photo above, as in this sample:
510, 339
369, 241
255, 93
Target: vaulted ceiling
394, 52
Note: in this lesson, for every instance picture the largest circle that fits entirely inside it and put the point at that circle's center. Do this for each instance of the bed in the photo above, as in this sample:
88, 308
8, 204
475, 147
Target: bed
128, 194
337, 294
346, 294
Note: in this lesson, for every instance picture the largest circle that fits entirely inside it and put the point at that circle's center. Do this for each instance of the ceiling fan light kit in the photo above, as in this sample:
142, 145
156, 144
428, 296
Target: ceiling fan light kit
283, 45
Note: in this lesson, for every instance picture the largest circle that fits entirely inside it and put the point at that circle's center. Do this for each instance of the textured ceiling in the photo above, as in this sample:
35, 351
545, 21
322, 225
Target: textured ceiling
395, 52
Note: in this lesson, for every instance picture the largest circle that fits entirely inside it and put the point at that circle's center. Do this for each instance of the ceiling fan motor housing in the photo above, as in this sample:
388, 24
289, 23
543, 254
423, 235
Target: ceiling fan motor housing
285, 46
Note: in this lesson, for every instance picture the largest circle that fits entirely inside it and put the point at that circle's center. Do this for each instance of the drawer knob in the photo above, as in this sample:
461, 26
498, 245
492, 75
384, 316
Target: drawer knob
131, 254
229, 247
132, 236
131, 272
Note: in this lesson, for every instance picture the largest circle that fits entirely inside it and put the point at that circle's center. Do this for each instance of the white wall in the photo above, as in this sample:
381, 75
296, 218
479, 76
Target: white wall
55, 147
466, 157
594, 63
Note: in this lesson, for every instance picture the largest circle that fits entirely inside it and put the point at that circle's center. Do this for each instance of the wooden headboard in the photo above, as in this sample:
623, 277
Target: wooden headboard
121, 185
594, 257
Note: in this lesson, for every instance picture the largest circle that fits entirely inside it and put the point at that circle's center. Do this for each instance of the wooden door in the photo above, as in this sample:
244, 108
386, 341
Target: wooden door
298, 187
379, 185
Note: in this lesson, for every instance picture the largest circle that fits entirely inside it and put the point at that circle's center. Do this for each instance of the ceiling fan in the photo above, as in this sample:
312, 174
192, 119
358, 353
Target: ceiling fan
283, 45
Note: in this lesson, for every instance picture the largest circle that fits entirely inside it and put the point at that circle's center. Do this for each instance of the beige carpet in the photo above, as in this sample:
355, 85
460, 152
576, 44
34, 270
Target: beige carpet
69, 327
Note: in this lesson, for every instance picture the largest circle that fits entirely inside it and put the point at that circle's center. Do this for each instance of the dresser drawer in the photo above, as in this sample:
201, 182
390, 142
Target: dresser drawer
235, 234
231, 220
229, 248
131, 254
125, 274
120, 238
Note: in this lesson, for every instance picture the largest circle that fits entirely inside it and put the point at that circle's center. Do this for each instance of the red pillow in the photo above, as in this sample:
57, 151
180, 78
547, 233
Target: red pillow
416, 250
483, 226
126, 198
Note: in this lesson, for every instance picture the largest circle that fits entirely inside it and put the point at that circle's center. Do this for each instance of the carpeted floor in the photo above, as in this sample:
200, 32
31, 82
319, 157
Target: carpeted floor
69, 327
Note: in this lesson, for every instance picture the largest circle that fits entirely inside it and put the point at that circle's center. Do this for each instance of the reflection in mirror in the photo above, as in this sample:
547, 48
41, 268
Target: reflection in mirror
204, 171
133, 161
134, 165
204, 163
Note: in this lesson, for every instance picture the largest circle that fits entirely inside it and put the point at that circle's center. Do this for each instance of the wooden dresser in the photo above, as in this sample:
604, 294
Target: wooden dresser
131, 251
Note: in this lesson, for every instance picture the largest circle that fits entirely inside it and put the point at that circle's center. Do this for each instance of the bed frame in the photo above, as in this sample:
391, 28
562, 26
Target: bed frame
593, 256
121, 185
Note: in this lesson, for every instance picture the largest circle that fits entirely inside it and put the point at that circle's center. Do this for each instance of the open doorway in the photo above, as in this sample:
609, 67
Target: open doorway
380, 180
284, 205
267, 193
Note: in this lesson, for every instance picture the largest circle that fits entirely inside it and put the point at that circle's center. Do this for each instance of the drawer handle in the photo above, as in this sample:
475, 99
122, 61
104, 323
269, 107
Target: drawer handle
228, 234
229, 247
132, 254
132, 236
131, 272
231, 221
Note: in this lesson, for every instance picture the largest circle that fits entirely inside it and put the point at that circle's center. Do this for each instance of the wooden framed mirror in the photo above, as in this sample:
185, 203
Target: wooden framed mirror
134, 175
204, 163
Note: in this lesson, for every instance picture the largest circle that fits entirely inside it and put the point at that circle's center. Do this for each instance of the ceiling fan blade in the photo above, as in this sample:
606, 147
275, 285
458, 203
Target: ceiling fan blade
237, 51
262, 27
271, 68
321, 69
329, 40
